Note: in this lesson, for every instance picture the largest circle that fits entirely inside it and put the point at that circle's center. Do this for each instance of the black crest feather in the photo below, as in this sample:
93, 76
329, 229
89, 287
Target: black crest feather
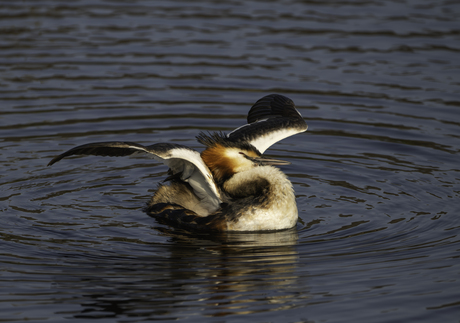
212, 139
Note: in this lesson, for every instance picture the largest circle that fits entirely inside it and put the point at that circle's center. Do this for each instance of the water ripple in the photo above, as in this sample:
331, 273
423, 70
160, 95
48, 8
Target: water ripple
376, 175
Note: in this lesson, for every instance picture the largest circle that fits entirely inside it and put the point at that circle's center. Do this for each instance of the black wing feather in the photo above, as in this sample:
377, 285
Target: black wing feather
271, 114
114, 149
272, 106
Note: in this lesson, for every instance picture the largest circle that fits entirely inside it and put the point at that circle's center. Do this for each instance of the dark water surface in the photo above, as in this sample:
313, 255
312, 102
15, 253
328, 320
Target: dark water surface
377, 175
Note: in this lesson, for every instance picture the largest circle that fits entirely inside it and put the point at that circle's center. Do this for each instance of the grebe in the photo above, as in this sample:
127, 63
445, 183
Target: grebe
230, 186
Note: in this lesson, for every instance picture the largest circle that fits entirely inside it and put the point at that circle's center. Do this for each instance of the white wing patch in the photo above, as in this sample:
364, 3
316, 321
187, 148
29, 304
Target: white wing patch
271, 119
263, 142
181, 159
196, 173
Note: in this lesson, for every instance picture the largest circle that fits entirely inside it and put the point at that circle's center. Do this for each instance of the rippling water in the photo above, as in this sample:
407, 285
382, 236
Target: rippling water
377, 174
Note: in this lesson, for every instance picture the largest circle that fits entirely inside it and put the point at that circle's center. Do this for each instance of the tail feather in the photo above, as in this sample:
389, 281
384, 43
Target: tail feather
177, 216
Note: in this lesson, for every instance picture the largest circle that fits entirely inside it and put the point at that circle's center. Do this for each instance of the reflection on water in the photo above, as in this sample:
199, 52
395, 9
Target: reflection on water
232, 274
376, 175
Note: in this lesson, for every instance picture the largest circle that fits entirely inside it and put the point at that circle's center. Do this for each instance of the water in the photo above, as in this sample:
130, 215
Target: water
376, 175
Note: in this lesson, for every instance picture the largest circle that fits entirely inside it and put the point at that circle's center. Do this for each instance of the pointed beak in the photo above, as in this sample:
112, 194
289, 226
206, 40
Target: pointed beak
262, 160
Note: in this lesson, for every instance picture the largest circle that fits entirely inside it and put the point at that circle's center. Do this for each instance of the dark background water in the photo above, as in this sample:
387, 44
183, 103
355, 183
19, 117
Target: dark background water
376, 175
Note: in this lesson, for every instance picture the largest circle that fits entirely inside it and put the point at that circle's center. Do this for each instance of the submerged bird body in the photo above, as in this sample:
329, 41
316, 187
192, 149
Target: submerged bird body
230, 186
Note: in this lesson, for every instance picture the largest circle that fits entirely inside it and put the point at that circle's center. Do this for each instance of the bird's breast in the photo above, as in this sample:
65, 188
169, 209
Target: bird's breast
271, 204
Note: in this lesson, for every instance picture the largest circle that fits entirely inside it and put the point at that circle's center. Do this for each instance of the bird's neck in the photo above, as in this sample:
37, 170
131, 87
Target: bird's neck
259, 181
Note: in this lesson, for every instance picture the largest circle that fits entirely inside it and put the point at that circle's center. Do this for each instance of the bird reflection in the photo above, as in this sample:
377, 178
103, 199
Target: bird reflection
212, 275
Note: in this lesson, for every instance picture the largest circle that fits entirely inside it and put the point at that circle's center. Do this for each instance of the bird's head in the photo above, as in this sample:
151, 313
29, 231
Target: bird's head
225, 158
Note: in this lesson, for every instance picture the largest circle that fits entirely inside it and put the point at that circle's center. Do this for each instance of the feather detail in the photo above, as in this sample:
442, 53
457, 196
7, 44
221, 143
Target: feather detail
271, 119
180, 159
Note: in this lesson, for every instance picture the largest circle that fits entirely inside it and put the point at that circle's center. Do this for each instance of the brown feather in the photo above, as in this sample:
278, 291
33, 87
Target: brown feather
221, 167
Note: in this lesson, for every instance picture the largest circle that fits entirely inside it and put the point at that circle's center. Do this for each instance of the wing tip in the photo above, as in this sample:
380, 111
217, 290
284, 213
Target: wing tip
58, 158
52, 161
273, 106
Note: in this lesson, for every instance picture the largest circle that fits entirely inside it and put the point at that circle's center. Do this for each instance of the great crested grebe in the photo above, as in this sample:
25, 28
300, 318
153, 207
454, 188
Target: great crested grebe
230, 186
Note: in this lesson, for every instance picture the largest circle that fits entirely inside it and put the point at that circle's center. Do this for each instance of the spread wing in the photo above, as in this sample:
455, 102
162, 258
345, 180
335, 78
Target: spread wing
271, 119
180, 159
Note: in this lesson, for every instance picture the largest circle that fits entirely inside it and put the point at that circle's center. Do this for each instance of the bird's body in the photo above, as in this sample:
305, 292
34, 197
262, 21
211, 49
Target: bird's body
230, 186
